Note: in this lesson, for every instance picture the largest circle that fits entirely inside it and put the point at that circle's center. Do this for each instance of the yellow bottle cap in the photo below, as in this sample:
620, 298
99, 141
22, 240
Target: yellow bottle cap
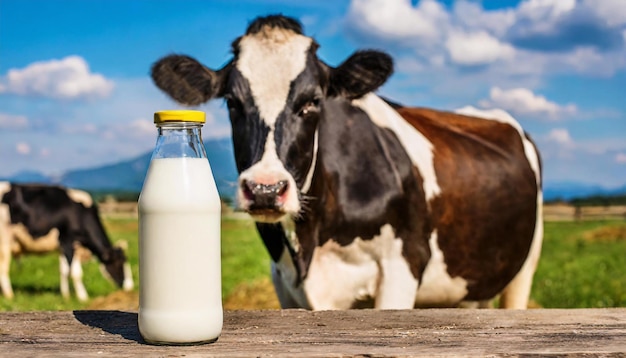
179, 116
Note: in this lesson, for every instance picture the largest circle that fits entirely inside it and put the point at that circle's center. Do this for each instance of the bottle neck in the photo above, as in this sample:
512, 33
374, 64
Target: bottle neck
179, 140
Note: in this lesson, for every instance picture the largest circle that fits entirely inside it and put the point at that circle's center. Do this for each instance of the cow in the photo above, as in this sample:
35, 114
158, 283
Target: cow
360, 201
38, 218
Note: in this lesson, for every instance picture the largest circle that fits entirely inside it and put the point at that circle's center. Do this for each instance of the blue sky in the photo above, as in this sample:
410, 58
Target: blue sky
75, 91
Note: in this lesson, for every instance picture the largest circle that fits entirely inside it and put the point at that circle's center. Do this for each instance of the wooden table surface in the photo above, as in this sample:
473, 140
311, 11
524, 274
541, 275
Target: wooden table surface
355, 333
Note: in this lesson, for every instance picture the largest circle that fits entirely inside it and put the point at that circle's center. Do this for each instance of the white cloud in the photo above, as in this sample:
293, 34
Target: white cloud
560, 136
620, 158
541, 10
611, 11
83, 128
471, 16
83, 135
22, 148
602, 145
536, 37
140, 128
523, 101
68, 78
477, 48
143, 127
9, 121
399, 18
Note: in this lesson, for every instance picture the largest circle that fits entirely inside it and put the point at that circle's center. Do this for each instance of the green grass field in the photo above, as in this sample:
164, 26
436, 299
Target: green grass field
583, 265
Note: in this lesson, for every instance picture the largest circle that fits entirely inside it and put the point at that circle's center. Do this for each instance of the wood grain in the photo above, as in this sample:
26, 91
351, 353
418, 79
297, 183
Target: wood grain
355, 333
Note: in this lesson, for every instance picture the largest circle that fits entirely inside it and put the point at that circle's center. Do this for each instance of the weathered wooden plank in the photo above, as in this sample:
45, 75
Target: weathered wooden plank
356, 333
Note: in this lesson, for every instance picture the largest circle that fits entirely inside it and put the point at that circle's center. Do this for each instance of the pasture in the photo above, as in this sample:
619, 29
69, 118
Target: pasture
582, 265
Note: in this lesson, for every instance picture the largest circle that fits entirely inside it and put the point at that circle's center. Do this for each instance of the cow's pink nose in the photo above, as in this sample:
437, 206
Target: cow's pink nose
263, 196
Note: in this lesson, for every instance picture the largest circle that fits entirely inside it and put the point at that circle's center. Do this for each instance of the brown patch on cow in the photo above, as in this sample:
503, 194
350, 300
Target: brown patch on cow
485, 215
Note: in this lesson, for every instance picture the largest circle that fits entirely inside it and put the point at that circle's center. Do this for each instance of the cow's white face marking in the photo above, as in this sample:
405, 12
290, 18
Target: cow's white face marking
417, 146
438, 288
270, 60
504, 117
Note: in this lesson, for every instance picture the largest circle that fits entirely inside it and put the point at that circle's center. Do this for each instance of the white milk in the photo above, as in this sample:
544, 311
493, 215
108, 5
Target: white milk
180, 296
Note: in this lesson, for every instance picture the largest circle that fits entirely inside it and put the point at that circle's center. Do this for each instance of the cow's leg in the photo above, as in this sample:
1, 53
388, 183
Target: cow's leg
128, 284
6, 240
69, 264
284, 297
64, 271
517, 293
397, 287
76, 270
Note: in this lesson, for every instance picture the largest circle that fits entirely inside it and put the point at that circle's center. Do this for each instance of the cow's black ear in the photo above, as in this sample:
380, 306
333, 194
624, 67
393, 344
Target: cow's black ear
361, 73
186, 80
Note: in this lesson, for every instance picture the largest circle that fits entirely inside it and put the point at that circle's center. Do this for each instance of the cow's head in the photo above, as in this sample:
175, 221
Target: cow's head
115, 266
275, 88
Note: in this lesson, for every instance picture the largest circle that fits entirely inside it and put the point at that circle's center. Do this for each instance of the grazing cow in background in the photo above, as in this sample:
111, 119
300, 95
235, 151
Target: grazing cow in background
41, 218
364, 203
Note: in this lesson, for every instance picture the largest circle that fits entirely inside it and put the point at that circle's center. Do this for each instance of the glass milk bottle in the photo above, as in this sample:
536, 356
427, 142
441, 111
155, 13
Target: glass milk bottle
180, 292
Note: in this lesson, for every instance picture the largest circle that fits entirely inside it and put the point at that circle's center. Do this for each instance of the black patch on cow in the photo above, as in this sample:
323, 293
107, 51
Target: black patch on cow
28, 202
296, 125
273, 237
366, 182
246, 122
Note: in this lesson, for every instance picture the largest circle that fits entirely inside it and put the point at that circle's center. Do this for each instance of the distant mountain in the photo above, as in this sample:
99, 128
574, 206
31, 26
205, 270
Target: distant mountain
568, 190
129, 175
29, 176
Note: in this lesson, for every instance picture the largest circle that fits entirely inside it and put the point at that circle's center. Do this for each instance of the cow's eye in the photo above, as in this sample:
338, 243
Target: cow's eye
311, 106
